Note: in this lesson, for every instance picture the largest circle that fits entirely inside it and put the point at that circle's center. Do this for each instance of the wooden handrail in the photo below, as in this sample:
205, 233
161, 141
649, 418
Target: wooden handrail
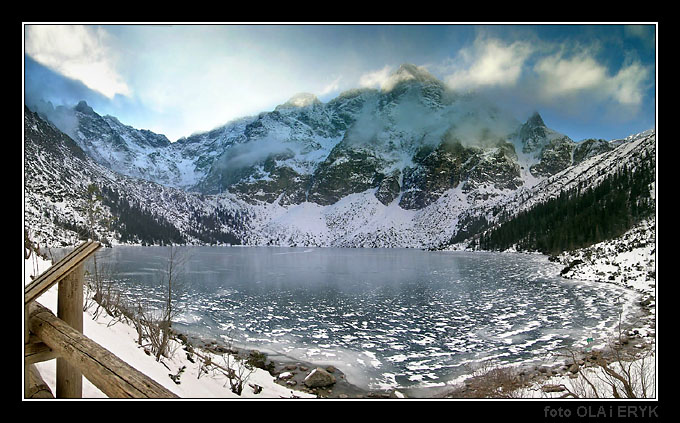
106, 371
35, 351
59, 270
77, 355
68, 273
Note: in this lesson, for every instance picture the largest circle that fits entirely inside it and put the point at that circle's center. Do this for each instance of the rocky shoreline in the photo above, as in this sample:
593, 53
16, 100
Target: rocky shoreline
298, 375
493, 383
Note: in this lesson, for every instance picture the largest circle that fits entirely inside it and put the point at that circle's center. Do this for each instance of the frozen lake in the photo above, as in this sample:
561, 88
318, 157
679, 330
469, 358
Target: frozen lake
387, 317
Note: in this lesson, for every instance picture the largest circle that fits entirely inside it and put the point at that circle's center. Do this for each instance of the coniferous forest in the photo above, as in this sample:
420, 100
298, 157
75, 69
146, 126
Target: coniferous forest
137, 225
579, 217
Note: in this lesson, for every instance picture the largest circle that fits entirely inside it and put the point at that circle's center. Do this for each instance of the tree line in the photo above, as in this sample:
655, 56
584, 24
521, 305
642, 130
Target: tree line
578, 217
138, 225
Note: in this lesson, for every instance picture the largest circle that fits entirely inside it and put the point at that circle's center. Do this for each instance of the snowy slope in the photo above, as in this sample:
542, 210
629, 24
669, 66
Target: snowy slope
628, 261
57, 174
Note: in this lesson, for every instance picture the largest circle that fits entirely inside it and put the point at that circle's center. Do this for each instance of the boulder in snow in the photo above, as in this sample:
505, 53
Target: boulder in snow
319, 378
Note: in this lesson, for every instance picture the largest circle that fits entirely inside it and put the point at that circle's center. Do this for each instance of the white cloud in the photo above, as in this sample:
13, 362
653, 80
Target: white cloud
77, 52
562, 78
568, 76
333, 86
488, 62
646, 33
627, 85
376, 79
386, 79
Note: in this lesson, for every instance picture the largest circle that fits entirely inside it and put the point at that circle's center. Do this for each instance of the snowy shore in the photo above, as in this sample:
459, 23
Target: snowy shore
629, 262
119, 338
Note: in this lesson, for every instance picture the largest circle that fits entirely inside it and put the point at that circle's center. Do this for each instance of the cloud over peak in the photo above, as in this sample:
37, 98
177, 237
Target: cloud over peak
387, 78
182, 79
548, 73
489, 62
562, 77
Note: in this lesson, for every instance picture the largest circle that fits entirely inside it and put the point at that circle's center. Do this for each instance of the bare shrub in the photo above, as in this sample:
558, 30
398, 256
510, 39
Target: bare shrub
153, 321
611, 374
491, 380
240, 369
617, 371
151, 317
236, 369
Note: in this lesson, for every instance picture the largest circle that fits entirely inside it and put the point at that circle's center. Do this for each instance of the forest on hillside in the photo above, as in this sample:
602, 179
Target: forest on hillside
578, 217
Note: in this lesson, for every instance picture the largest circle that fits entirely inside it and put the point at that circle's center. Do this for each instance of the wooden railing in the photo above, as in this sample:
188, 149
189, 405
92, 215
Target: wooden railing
48, 337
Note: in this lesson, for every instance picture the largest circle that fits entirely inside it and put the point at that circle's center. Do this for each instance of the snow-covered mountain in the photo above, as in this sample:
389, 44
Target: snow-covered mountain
413, 137
59, 210
409, 165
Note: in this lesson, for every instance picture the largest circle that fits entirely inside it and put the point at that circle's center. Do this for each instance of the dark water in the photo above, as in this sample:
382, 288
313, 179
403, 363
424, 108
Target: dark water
386, 317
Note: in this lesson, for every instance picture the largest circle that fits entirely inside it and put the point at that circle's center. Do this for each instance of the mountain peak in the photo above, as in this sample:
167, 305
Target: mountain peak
409, 72
535, 120
82, 107
299, 100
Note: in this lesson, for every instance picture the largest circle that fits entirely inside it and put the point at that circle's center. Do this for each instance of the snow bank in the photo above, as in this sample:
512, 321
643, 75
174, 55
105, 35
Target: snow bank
120, 339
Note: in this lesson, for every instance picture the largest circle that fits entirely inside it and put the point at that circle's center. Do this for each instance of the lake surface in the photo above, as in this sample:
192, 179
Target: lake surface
388, 318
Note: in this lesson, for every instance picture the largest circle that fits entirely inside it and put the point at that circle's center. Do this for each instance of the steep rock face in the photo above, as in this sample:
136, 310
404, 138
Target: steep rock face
389, 188
589, 148
436, 170
534, 134
290, 154
497, 167
450, 164
308, 151
551, 152
554, 157
271, 182
58, 211
132, 152
345, 171
305, 150
284, 145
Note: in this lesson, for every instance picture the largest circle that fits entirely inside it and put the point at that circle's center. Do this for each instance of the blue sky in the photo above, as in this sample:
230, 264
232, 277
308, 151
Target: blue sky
586, 80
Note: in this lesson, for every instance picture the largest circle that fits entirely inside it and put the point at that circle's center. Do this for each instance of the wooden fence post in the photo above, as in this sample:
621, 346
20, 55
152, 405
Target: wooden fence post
70, 310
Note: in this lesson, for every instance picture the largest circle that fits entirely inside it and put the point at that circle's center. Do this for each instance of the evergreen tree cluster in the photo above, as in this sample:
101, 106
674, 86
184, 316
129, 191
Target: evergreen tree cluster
581, 216
137, 225
469, 227
207, 227
72, 226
